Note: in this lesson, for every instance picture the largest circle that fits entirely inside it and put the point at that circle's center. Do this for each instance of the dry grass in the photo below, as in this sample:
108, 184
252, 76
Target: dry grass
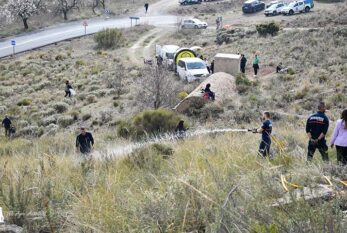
180, 193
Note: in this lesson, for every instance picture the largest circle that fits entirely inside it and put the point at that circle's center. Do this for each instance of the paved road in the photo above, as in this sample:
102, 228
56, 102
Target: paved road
66, 31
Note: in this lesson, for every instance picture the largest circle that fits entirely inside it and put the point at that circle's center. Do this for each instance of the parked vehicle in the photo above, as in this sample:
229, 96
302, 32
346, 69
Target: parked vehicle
167, 53
298, 7
191, 69
193, 24
271, 3
274, 9
252, 6
189, 2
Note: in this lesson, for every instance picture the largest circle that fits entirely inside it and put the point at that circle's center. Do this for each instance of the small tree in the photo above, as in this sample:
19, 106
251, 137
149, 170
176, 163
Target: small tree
96, 3
23, 9
65, 6
268, 28
157, 88
109, 38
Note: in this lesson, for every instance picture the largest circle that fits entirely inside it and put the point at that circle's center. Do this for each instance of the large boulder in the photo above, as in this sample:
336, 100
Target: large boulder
222, 84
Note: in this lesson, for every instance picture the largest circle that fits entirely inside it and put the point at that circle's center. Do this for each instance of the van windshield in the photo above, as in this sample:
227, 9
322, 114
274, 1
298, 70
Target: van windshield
170, 55
195, 65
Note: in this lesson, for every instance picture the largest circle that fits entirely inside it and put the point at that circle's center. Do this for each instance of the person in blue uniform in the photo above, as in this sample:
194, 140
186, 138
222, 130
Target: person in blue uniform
316, 128
265, 130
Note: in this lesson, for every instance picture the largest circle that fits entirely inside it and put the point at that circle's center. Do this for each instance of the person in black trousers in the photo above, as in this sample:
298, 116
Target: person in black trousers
67, 88
243, 62
316, 128
7, 125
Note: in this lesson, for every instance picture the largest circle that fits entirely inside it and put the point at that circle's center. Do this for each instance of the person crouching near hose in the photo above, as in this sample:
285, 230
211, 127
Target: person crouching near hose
265, 130
316, 128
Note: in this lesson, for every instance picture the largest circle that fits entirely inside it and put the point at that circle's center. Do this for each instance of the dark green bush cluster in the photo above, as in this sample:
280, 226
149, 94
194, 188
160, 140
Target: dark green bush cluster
109, 38
243, 84
229, 35
268, 28
24, 102
148, 122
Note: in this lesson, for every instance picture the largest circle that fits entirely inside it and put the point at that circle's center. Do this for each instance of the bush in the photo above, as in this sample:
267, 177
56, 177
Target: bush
65, 121
109, 39
80, 63
155, 121
182, 95
243, 84
268, 28
86, 117
91, 99
24, 102
60, 107
148, 122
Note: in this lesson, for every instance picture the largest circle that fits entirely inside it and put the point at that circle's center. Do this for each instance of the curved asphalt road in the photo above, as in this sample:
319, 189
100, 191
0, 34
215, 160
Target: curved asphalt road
71, 30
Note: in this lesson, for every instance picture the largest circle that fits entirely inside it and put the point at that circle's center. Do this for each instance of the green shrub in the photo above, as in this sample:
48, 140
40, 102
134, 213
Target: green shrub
125, 129
74, 114
243, 84
291, 71
65, 121
59, 57
148, 122
80, 63
86, 116
182, 95
155, 121
268, 28
60, 107
109, 39
24, 102
91, 99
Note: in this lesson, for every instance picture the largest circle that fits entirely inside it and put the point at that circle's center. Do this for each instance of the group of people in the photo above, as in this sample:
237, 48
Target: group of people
255, 64
317, 126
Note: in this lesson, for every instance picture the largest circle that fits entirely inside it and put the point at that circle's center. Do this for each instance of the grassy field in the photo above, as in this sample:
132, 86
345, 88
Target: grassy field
180, 192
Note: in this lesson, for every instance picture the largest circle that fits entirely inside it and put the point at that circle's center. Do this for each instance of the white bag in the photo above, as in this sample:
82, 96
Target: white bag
72, 91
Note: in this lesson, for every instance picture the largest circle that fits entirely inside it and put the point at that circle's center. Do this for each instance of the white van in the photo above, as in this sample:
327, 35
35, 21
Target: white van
167, 53
190, 69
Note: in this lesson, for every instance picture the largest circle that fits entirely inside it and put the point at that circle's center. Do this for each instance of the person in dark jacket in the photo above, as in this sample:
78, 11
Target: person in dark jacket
212, 67
265, 130
6, 122
180, 129
84, 142
243, 62
67, 88
146, 7
210, 93
316, 128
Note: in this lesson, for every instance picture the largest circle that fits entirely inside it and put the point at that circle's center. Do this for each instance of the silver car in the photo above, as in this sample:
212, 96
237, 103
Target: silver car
193, 24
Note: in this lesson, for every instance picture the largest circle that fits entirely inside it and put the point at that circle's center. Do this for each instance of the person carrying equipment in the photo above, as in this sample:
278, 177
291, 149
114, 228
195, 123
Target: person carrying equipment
265, 130
208, 93
6, 122
180, 129
243, 62
316, 128
68, 88
146, 7
84, 142
339, 139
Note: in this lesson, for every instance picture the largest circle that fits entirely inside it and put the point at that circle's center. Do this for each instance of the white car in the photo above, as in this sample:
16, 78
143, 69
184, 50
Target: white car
190, 69
296, 7
274, 9
193, 24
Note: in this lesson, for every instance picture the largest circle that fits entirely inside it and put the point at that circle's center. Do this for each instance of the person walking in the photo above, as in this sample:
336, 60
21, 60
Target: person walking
6, 122
265, 130
146, 7
68, 88
243, 62
317, 126
84, 142
339, 139
256, 65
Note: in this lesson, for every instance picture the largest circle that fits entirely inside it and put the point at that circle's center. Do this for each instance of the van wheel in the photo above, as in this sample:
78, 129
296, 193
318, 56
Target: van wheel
196, 27
291, 12
307, 9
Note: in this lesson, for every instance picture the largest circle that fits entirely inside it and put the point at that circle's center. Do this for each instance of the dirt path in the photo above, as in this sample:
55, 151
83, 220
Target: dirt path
144, 48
